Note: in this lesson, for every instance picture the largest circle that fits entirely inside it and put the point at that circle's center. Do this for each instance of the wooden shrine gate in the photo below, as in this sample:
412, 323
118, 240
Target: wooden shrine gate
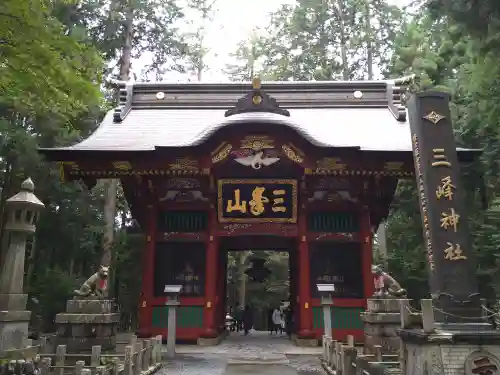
205, 171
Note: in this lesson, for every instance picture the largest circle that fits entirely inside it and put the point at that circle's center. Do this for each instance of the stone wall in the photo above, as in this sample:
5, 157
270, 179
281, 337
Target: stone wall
449, 359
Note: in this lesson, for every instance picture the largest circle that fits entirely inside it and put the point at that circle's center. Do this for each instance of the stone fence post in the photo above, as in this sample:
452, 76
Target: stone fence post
60, 359
128, 361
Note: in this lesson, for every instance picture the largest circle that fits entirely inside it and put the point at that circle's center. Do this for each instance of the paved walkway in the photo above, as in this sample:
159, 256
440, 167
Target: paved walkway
257, 353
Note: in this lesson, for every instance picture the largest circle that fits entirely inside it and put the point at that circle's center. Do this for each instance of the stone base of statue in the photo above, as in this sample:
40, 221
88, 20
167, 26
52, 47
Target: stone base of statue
87, 322
471, 347
381, 320
14, 321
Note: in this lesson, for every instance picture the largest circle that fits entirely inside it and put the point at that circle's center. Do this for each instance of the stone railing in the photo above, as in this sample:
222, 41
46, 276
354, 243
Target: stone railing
344, 359
140, 357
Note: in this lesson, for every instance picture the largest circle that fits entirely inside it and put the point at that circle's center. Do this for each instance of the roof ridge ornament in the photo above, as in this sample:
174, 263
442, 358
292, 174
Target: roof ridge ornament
126, 91
256, 101
397, 91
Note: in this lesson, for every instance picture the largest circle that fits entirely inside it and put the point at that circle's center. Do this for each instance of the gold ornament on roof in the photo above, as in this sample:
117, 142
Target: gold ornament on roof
434, 117
256, 83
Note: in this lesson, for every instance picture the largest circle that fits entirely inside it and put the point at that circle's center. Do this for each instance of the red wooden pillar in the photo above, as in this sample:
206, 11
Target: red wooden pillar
305, 308
221, 292
145, 307
366, 248
211, 273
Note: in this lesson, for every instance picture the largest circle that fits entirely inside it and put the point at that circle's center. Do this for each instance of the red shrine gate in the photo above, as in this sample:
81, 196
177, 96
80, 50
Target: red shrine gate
206, 171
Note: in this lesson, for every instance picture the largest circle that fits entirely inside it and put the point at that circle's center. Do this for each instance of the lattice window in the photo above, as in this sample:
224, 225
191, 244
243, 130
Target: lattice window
183, 221
334, 222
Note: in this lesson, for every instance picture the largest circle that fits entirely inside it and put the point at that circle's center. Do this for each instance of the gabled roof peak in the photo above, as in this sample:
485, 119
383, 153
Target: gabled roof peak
257, 101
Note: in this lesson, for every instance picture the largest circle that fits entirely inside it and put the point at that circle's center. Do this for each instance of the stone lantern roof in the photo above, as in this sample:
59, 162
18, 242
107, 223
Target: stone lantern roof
26, 196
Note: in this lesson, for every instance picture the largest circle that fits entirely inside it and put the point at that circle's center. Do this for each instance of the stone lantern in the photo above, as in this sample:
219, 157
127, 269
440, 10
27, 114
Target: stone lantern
22, 212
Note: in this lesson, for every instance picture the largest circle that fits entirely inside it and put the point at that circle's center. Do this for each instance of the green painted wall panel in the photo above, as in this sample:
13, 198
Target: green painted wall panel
187, 317
342, 317
335, 222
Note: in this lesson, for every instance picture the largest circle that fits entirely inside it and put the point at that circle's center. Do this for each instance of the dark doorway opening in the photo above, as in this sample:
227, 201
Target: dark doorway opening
260, 273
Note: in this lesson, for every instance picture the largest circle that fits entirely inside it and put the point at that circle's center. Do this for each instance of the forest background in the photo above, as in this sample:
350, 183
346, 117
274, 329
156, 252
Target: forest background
54, 55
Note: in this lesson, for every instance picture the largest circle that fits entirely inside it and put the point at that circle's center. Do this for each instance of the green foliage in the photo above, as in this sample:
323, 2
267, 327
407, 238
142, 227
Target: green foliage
42, 70
52, 290
323, 40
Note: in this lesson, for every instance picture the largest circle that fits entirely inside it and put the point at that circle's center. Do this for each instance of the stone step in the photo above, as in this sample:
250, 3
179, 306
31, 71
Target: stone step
259, 360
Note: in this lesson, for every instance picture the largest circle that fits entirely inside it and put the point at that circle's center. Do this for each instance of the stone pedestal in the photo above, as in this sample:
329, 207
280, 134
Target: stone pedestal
14, 321
85, 323
381, 320
450, 352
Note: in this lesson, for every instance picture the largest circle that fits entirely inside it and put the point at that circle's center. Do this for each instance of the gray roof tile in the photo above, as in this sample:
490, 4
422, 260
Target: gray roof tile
370, 129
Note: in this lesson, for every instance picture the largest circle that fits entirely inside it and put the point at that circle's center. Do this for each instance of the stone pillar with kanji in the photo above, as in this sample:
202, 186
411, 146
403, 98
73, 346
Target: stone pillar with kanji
457, 337
451, 263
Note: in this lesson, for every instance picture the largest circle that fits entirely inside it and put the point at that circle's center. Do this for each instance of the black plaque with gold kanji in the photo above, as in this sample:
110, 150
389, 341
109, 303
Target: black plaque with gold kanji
252, 200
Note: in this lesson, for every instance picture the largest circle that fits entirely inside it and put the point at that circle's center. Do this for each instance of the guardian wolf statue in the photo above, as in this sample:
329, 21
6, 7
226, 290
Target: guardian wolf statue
95, 285
385, 284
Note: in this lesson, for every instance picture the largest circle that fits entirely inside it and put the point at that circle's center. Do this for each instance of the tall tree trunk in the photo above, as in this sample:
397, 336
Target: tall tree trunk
6, 189
368, 35
339, 9
199, 73
252, 62
382, 243
112, 186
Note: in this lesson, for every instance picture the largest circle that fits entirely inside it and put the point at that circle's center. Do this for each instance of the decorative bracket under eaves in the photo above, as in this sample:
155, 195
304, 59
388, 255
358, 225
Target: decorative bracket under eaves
257, 101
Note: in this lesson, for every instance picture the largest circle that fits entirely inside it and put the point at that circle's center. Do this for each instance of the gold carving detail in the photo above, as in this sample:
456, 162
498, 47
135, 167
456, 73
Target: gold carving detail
221, 152
292, 154
434, 117
331, 164
257, 99
393, 166
257, 142
122, 165
72, 165
184, 164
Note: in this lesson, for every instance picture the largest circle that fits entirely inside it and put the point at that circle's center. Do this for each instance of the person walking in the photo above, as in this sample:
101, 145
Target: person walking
247, 319
270, 324
277, 319
288, 321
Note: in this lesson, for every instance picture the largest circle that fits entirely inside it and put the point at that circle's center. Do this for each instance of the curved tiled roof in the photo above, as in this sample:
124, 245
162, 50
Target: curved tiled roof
143, 130
327, 114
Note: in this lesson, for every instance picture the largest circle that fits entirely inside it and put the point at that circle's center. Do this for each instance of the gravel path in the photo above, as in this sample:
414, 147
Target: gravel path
258, 353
